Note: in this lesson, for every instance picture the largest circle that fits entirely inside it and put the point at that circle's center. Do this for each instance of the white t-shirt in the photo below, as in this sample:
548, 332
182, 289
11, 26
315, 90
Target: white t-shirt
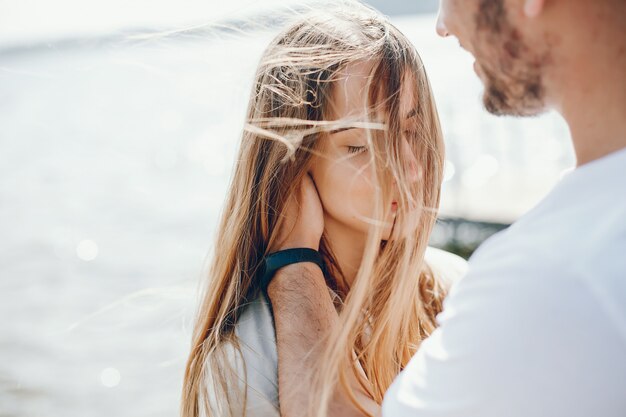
538, 325
257, 339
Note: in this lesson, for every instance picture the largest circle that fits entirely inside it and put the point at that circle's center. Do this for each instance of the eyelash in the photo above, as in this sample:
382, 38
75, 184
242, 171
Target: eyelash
356, 149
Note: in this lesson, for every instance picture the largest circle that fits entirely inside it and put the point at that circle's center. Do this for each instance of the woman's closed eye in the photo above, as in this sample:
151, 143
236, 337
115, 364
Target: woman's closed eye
357, 149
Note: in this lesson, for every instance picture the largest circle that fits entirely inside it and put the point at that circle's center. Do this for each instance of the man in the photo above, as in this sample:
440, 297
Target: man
538, 325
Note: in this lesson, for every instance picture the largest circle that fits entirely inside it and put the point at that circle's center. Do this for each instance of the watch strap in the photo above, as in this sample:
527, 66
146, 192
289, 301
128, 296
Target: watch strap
273, 262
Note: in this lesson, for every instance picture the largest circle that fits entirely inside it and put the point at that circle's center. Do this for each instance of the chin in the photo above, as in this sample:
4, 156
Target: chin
520, 98
387, 231
497, 110
499, 103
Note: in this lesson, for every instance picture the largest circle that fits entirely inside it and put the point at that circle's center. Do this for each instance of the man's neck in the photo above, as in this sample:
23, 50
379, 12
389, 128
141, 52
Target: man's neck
597, 124
594, 101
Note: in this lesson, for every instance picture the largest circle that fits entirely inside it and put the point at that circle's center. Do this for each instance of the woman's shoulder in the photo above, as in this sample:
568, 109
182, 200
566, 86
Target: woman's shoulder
256, 360
445, 265
255, 332
257, 339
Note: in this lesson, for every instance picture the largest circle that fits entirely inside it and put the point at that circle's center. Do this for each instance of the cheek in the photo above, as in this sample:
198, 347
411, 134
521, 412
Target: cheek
347, 192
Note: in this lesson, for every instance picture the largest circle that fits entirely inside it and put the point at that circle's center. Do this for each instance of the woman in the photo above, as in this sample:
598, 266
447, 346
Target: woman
340, 99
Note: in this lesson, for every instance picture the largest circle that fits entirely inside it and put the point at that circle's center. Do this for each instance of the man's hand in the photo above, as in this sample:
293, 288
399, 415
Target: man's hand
304, 313
303, 223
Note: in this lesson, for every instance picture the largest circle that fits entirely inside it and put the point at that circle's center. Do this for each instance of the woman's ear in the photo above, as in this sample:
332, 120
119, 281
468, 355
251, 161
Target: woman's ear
533, 8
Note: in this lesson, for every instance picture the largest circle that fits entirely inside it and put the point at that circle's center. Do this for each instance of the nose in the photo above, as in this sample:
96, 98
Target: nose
442, 30
412, 173
410, 164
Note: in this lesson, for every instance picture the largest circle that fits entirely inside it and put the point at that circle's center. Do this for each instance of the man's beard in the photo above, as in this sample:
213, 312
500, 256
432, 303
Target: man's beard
513, 94
513, 73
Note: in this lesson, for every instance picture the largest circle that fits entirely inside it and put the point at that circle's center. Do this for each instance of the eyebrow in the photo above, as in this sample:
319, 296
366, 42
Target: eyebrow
410, 115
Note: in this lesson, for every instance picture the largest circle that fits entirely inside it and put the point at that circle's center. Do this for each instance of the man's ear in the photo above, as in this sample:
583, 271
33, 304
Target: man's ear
533, 8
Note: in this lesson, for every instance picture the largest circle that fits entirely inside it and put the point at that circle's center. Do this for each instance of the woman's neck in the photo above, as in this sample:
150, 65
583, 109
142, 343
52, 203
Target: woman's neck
347, 247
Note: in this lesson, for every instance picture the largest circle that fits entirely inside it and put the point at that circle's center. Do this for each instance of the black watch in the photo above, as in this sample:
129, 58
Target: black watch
273, 262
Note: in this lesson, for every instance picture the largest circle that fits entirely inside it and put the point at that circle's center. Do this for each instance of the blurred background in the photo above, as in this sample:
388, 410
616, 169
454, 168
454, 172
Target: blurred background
116, 146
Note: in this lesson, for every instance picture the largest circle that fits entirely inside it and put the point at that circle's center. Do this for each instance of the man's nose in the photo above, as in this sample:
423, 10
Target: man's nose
442, 30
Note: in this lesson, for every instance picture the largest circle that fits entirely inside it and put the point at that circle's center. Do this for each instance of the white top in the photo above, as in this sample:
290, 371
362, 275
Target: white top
538, 325
255, 330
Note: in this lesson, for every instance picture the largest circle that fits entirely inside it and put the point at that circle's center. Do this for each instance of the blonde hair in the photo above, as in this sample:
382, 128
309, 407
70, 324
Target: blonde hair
392, 304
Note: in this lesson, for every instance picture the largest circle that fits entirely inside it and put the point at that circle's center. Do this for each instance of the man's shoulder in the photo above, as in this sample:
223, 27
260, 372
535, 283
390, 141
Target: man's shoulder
548, 269
576, 236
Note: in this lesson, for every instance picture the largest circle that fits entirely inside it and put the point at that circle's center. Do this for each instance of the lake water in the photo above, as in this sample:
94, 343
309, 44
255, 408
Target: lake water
114, 161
